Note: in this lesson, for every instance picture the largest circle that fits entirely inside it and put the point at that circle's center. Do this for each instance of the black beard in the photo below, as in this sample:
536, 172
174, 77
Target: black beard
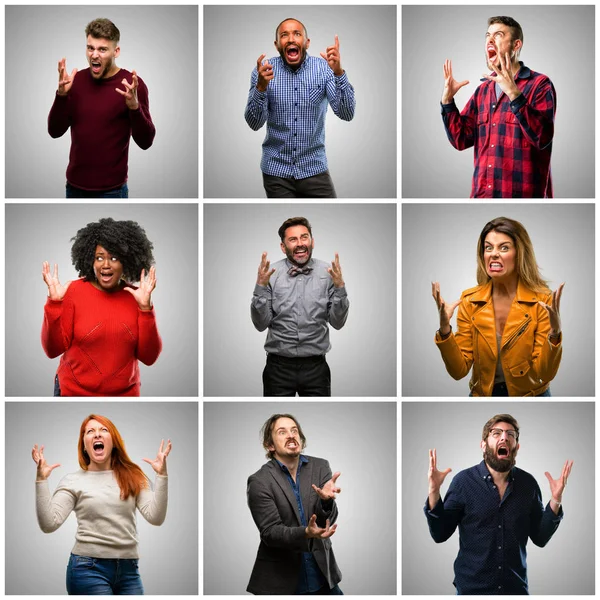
290, 256
293, 67
501, 466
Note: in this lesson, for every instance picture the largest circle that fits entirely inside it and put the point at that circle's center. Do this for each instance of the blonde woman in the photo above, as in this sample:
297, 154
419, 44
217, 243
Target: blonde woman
509, 326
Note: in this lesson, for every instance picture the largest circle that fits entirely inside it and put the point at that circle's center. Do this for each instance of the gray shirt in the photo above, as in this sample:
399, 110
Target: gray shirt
297, 310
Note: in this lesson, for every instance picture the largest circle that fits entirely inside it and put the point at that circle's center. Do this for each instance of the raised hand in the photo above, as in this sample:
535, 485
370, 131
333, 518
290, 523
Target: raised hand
505, 77
314, 531
159, 464
43, 468
332, 56
56, 291
336, 272
263, 271
554, 311
330, 489
65, 81
143, 294
445, 310
557, 486
436, 478
130, 93
451, 86
265, 73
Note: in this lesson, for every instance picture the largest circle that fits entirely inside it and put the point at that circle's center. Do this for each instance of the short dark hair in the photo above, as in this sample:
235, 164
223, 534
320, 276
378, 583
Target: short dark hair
266, 432
103, 28
502, 418
290, 19
125, 240
293, 221
515, 29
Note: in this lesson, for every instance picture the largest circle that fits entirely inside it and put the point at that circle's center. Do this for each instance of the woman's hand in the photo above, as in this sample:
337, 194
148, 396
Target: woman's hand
56, 291
143, 295
446, 311
159, 464
43, 468
554, 311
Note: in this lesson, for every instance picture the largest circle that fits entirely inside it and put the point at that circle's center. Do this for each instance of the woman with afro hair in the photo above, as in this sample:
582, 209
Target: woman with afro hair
101, 324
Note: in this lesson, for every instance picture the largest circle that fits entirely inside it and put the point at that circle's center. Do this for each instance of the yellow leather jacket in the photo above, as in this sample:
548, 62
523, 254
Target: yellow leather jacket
529, 360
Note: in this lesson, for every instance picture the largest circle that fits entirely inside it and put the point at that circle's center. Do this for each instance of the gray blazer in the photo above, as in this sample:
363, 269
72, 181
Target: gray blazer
282, 536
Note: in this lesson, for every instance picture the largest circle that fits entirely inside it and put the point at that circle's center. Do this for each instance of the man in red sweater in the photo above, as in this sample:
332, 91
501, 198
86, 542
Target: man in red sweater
102, 117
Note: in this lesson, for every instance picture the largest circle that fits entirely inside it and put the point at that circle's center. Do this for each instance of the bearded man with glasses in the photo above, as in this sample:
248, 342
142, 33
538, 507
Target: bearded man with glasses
497, 508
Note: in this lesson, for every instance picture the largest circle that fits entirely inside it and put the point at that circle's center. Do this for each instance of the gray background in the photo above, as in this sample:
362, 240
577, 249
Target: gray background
439, 243
39, 232
36, 562
361, 153
551, 433
431, 167
357, 438
363, 352
159, 42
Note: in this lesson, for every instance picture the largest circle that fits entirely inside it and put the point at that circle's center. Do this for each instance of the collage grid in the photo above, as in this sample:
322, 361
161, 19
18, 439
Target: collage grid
402, 221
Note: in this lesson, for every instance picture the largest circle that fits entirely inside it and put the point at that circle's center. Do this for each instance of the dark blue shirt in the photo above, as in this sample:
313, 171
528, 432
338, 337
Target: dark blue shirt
492, 532
311, 579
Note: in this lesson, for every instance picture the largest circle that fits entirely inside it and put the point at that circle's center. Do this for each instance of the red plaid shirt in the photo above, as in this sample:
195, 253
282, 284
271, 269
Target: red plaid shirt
513, 140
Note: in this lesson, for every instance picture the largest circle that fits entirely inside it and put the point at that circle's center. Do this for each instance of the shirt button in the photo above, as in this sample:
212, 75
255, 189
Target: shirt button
295, 89
493, 124
499, 567
492, 145
295, 134
499, 526
494, 486
489, 186
493, 106
489, 166
499, 547
499, 587
295, 119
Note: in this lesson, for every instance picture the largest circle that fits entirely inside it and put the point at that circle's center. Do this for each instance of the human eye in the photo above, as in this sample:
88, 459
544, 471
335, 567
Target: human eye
488, 248
504, 248
114, 258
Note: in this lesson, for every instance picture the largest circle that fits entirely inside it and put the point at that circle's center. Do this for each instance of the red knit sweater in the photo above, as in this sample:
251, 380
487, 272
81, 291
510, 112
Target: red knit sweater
101, 335
101, 125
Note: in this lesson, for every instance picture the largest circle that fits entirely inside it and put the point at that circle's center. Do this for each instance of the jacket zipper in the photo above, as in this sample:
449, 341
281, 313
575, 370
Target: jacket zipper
513, 338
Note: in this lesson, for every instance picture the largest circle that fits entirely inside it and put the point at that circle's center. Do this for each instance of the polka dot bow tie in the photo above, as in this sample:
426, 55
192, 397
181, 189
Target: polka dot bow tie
295, 271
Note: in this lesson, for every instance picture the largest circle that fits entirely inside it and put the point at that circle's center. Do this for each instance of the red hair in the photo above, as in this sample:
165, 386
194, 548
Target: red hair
130, 477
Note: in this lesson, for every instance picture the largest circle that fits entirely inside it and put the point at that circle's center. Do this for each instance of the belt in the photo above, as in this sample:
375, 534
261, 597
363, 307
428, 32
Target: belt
295, 360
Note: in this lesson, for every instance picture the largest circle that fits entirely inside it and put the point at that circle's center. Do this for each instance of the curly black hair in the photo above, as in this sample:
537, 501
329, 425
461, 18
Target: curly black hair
125, 240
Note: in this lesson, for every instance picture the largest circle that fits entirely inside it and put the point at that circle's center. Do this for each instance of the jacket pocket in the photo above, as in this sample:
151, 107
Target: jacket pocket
521, 369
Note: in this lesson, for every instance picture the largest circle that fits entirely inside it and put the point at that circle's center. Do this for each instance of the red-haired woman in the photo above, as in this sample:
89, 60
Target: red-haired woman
104, 495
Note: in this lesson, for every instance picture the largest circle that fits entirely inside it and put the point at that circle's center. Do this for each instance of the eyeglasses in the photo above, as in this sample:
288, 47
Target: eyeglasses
496, 433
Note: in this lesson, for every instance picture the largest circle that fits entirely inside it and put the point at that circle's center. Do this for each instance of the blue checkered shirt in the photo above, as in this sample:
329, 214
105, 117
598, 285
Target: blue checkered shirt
294, 108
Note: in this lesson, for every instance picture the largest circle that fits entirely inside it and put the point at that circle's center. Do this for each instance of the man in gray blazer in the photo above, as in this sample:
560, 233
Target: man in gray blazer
292, 500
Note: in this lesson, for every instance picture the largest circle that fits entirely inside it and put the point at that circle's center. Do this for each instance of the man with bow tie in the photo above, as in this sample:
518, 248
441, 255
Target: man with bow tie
296, 299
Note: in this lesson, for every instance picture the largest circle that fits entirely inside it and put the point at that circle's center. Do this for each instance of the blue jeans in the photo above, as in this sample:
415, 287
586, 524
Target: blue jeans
500, 390
325, 591
120, 192
103, 576
56, 386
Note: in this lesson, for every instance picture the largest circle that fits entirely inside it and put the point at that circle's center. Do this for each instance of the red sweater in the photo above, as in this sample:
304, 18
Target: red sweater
101, 125
101, 335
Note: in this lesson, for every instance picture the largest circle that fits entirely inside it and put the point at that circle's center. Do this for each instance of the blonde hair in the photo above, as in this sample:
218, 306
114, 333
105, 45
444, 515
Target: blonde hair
527, 267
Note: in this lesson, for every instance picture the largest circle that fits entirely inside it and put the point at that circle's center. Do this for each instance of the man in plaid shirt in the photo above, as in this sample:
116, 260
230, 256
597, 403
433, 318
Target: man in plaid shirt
509, 120
290, 93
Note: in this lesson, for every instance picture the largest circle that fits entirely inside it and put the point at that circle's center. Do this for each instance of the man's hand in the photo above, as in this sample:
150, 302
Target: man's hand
265, 73
436, 478
504, 77
330, 489
336, 272
263, 271
445, 310
451, 86
314, 531
130, 93
143, 294
554, 311
332, 56
557, 486
65, 81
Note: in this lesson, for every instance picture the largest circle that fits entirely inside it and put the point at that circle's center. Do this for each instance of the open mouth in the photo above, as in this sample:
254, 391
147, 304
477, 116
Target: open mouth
96, 67
492, 53
503, 452
301, 252
106, 277
292, 53
98, 446
293, 445
495, 266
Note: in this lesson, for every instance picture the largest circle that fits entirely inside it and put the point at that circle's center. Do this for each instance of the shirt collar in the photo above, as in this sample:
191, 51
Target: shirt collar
299, 69
303, 460
483, 471
523, 72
